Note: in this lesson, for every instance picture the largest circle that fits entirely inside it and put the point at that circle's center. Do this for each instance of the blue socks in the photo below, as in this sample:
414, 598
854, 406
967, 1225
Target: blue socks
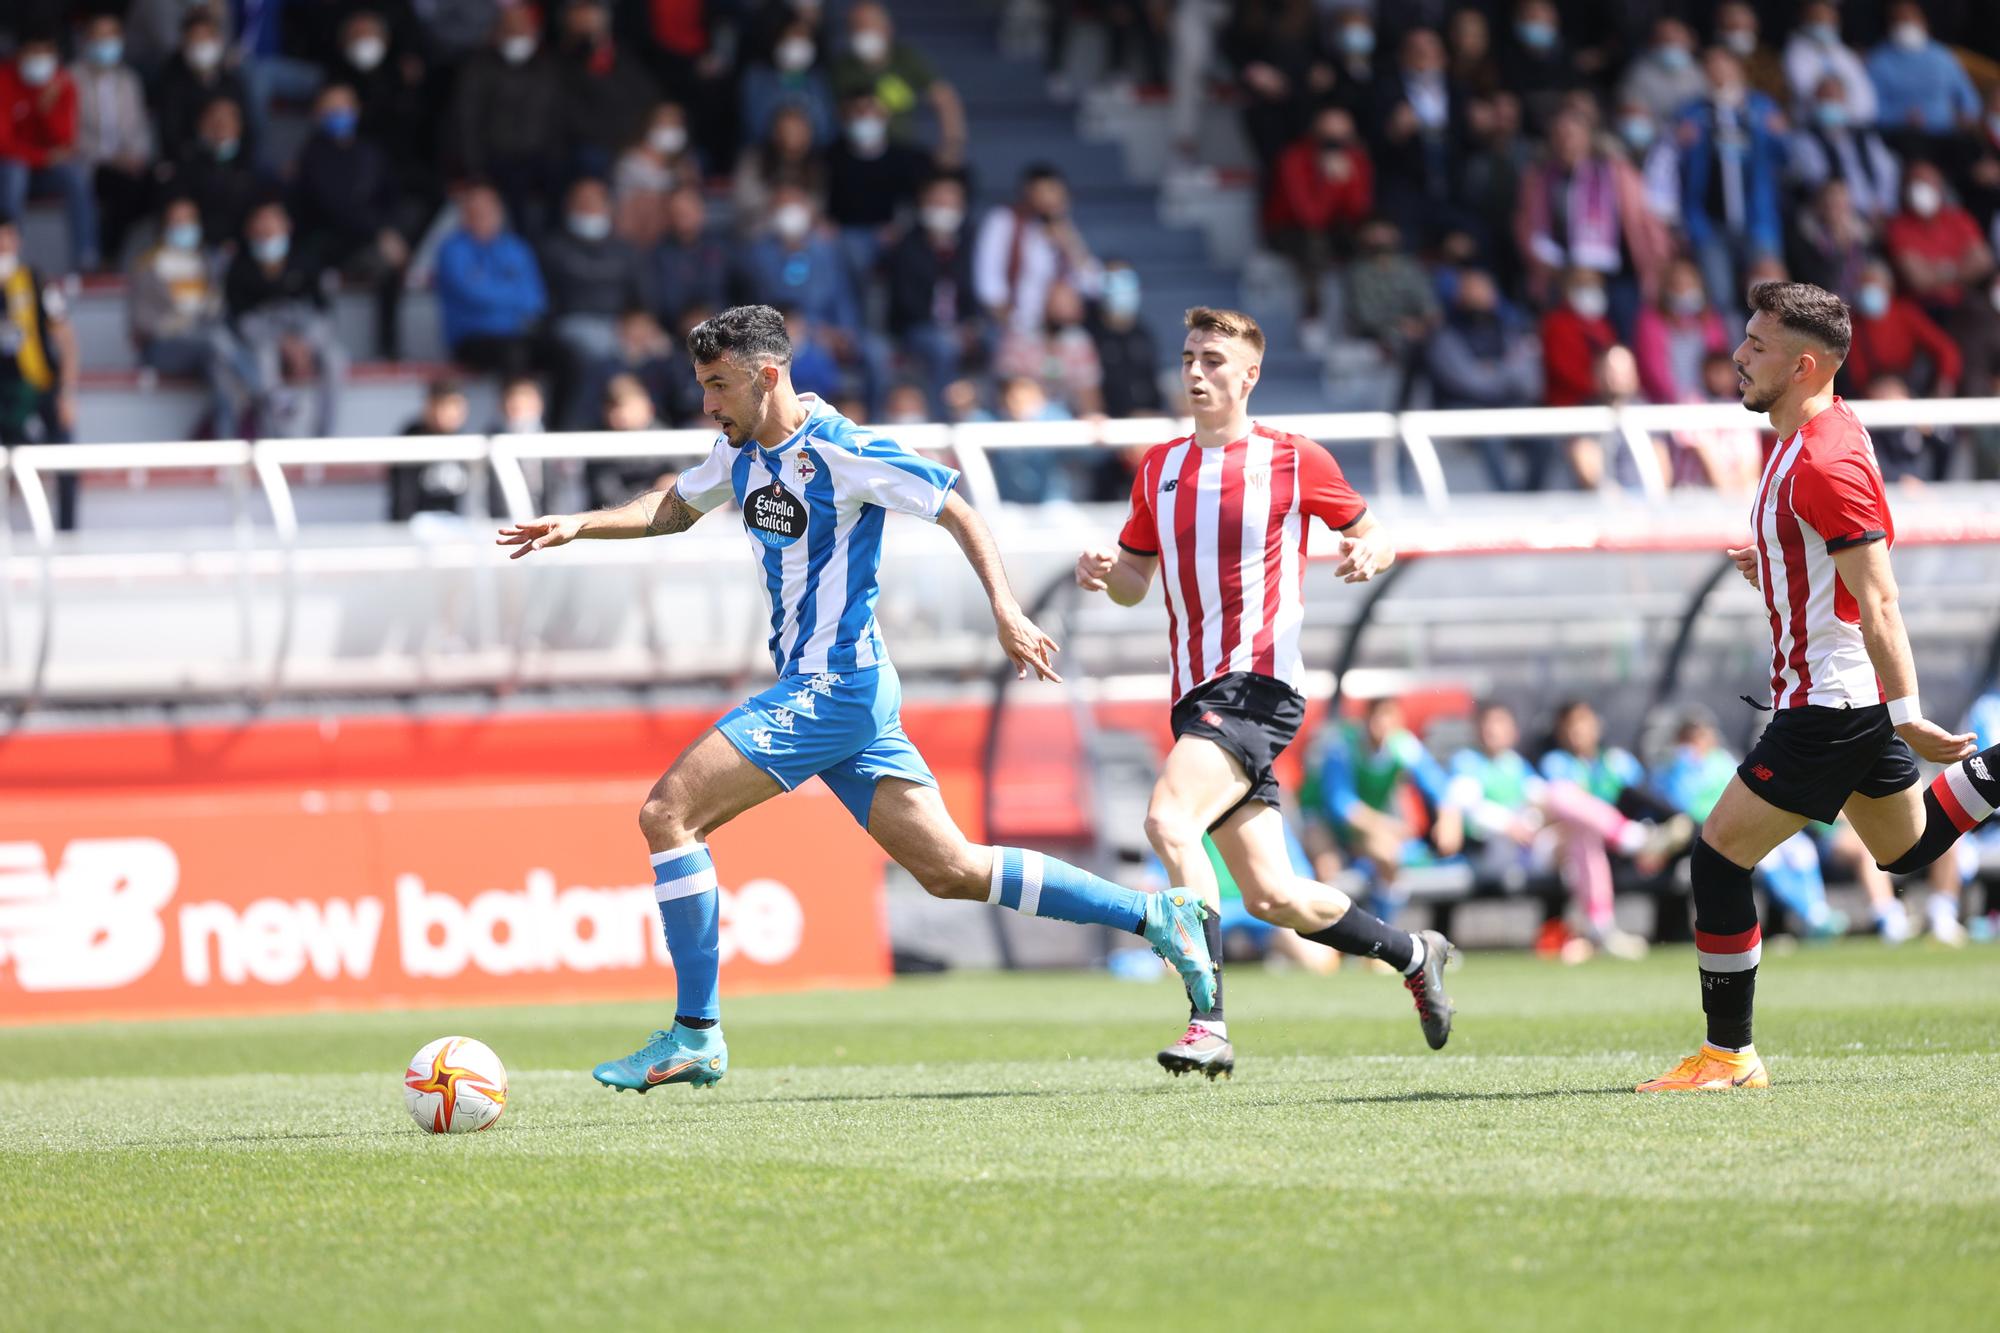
684, 887
1037, 885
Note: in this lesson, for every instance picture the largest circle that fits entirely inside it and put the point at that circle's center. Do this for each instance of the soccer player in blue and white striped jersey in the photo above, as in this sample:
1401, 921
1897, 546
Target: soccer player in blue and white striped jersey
815, 490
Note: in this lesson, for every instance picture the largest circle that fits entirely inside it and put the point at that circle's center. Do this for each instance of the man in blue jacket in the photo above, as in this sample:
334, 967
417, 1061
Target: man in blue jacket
490, 293
1732, 160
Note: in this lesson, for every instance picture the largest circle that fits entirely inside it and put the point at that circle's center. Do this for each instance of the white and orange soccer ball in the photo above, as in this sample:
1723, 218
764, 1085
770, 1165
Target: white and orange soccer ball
455, 1085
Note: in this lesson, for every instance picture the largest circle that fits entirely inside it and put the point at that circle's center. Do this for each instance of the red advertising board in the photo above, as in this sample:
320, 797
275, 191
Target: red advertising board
386, 862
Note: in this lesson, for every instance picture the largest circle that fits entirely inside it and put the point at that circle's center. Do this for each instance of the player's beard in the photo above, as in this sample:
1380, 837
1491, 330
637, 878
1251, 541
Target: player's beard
1760, 400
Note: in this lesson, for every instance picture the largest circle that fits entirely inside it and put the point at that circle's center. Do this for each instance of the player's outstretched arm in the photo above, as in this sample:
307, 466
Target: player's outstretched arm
654, 514
1865, 570
1365, 550
1023, 642
1122, 575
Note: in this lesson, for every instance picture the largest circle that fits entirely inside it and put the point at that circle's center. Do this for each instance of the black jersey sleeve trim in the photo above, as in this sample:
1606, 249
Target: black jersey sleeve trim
1856, 539
1359, 514
1136, 550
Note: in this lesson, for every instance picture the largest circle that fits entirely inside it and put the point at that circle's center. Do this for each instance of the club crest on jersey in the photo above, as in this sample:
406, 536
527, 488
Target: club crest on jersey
774, 515
1257, 478
806, 470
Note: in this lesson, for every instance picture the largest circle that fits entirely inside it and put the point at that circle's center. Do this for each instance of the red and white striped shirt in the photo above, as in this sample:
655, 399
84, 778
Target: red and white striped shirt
1821, 493
1229, 527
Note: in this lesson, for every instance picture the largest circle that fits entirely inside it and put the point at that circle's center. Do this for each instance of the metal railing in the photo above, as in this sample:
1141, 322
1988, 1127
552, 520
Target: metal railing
260, 469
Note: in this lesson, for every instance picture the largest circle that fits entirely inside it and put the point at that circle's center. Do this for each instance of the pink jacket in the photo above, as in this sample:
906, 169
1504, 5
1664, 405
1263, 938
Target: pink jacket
1656, 367
1647, 239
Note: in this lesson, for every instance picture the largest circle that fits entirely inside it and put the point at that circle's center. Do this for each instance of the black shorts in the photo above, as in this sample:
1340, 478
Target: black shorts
1253, 717
1811, 759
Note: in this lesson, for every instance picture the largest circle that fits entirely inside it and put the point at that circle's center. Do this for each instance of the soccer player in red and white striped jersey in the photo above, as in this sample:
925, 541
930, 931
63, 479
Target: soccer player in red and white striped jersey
1223, 513
1846, 716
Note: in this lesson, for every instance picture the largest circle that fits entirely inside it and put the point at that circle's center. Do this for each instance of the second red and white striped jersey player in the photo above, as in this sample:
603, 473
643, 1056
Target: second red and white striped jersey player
1229, 527
1821, 492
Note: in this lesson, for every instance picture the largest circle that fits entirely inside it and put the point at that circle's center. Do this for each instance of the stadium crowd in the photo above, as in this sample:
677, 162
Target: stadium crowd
1515, 202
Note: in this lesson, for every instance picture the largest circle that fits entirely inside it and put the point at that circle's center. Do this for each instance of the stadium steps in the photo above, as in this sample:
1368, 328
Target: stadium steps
380, 398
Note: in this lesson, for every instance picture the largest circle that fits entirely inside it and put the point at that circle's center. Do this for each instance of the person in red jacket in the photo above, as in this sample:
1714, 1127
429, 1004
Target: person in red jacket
1322, 187
38, 143
1889, 333
1575, 337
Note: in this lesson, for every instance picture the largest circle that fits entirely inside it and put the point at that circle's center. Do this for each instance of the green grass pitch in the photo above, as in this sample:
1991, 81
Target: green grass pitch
1001, 1152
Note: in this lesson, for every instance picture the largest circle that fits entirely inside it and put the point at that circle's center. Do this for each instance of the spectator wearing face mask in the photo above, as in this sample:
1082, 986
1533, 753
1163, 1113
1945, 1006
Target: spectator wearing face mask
901, 80
1827, 147
1574, 334
1665, 77
395, 90
174, 313
507, 118
687, 267
38, 144
593, 277
1322, 188
114, 134
934, 311
216, 172
798, 265
1126, 351
791, 77
869, 181
648, 173
1535, 61
1936, 246
1894, 337
1732, 160
195, 76
1815, 51
1674, 335
1655, 156
278, 307
785, 156
1418, 135
1738, 31
1921, 90
607, 95
1062, 357
344, 197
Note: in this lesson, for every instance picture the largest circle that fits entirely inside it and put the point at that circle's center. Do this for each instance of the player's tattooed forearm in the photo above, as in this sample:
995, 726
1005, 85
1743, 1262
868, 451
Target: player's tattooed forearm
672, 514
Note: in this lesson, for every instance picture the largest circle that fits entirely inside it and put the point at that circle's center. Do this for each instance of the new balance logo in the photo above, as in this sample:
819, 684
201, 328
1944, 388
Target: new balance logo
1978, 766
1761, 773
1211, 719
1171, 483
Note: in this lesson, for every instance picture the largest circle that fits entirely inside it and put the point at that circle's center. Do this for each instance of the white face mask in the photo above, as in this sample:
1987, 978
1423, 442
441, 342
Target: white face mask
1743, 41
870, 45
518, 50
1925, 199
942, 220
1910, 36
366, 53
8, 263
668, 139
37, 70
792, 221
205, 55
590, 226
1590, 302
794, 54
867, 133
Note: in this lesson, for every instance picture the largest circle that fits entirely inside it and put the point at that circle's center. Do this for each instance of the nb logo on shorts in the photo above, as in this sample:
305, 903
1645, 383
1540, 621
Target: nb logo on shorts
1761, 773
1978, 766
1211, 719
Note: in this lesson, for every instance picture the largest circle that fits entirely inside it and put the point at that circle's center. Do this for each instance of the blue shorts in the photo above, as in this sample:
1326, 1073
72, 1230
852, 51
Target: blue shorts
844, 728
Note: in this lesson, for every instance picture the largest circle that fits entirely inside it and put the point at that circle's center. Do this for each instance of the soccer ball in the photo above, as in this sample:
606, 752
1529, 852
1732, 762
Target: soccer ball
455, 1085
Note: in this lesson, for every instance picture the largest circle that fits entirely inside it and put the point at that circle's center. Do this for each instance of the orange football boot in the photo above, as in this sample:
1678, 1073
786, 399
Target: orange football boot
1710, 1068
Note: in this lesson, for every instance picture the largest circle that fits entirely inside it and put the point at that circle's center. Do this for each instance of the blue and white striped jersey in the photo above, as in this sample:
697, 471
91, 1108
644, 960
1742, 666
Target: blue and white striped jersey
813, 510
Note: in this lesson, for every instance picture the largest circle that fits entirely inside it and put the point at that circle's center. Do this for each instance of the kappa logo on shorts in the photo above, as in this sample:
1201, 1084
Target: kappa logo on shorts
781, 719
1761, 773
802, 702
761, 738
823, 683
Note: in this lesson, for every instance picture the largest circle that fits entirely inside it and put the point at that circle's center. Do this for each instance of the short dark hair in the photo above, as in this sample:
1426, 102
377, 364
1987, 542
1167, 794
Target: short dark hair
743, 331
1036, 172
444, 386
1812, 312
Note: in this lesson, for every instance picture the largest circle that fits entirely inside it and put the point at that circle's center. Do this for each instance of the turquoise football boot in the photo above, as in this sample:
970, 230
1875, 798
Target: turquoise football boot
683, 1055
1173, 928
